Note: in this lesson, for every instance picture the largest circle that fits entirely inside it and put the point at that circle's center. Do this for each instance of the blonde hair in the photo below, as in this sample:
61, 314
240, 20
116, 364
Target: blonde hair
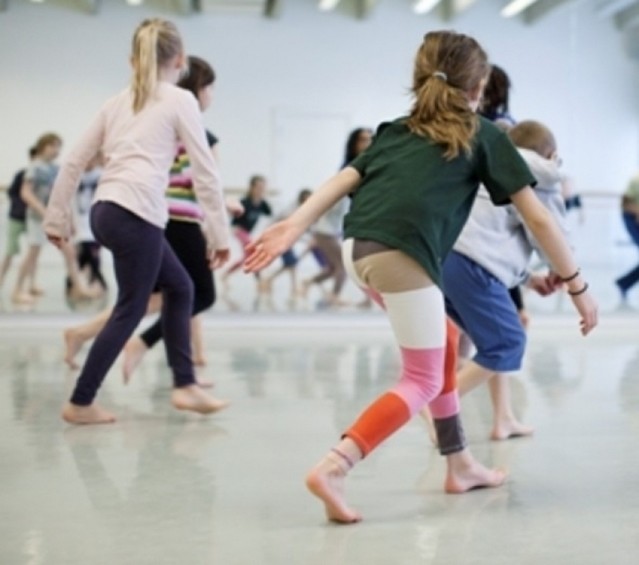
155, 43
448, 66
534, 136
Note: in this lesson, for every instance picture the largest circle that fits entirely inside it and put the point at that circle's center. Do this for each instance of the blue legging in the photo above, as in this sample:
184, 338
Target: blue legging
142, 258
632, 277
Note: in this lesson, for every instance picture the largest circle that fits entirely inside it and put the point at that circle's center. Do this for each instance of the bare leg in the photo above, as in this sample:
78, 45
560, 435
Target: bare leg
78, 288
326, 481
197, 339
6, 265
505, 426
76, 336
471, 376
465, 473
27, 267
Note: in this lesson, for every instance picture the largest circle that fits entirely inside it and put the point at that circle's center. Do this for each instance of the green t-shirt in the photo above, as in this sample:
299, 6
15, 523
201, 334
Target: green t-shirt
413, 199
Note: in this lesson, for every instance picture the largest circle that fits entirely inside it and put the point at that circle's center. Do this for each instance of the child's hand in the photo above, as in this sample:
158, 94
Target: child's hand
234, 207
554, 280
57, 240
587, 308
541, 285
270, 245
218, 258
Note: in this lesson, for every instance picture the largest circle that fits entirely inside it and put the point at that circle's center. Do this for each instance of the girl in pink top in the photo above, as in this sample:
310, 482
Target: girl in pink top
138, 131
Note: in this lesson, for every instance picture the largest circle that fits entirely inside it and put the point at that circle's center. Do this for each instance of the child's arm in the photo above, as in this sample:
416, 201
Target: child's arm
30, 199
546, 231
58, 220
281, 236
207, 184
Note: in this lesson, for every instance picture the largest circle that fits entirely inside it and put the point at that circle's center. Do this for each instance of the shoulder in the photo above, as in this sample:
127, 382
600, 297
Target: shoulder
488, 131
178, 95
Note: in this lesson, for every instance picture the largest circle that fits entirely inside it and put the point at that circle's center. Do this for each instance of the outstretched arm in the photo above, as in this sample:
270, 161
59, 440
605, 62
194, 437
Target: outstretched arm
282, 235
551, 239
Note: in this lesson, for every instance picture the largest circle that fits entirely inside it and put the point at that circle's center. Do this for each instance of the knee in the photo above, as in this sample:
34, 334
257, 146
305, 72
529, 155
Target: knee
422, 376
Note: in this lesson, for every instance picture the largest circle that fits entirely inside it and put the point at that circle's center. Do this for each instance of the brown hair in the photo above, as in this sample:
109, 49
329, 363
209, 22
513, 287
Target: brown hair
46, 140
534, 136
200, 75
155, 43
448, 66
496, 94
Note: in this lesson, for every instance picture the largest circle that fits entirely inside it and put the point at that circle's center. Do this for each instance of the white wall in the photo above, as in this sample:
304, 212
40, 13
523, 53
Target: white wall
57, 66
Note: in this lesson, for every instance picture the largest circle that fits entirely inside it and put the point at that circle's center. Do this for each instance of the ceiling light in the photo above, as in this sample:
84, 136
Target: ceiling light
328, 5
424, 6
515, 7
135, 2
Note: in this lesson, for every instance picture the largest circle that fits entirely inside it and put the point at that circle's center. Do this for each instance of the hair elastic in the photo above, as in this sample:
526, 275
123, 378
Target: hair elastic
579, 292
442, 75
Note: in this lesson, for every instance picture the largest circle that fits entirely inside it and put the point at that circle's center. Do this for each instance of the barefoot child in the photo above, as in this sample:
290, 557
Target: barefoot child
137, 131
491, 256
412, 191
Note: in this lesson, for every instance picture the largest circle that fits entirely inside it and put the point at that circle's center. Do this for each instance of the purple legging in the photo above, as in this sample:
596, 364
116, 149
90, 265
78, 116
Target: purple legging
142, 258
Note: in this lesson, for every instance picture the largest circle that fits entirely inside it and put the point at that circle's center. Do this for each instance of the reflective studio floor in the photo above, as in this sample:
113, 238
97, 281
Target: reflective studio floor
160, 487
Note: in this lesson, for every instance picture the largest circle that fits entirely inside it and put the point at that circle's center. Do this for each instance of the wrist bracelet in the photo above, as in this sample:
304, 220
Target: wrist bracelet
581, 291
572, 277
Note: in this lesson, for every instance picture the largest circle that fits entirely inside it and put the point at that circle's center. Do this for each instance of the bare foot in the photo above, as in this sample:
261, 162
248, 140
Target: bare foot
72, 345
22, 298
510, 429
326, 482
36, 291
473, 476
86, 415
134, 351
204, 383
194, 399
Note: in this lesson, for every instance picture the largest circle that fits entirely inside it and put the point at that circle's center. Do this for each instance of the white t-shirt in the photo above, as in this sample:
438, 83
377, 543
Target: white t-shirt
84, 199
139, 150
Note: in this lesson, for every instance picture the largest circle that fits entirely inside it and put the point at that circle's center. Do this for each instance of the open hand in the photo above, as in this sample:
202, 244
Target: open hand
587, 308
270, 245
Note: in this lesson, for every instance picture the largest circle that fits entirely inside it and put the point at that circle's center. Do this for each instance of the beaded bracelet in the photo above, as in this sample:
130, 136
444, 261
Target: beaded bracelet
581, 291
572, 277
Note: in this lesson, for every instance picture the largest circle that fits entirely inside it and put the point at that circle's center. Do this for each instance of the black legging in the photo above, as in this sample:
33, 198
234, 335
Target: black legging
89, 256
141, 258
188, 242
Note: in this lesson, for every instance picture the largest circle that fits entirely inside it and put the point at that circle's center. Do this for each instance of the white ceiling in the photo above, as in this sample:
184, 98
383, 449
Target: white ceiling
624, 12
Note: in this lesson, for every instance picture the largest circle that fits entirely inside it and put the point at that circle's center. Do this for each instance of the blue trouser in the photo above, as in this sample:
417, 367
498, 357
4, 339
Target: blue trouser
632, 277
142, 258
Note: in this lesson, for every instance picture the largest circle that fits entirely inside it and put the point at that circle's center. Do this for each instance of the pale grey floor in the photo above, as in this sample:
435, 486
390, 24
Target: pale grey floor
161, 487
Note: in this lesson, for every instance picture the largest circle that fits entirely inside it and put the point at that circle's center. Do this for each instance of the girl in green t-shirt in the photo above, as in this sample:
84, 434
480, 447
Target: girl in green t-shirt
412, 191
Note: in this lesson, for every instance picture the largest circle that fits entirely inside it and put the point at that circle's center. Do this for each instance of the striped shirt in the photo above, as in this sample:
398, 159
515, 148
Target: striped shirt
182, 202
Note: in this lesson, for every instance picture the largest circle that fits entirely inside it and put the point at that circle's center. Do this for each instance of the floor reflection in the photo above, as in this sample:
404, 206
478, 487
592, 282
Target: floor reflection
161, 487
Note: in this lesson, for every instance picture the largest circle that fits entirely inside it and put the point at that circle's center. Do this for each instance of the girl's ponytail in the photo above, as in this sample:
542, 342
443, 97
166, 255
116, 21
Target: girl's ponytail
448, 66
155, 43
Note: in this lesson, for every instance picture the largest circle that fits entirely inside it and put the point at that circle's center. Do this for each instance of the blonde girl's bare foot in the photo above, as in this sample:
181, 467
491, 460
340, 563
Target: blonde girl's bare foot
464, 478
204, 383
36, 291
510, 429
193, 399
326, 482
86, 415
72, 345
134, 351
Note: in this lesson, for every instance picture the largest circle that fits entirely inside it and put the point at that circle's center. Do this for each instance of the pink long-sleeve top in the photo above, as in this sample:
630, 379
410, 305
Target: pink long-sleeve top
139, 150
